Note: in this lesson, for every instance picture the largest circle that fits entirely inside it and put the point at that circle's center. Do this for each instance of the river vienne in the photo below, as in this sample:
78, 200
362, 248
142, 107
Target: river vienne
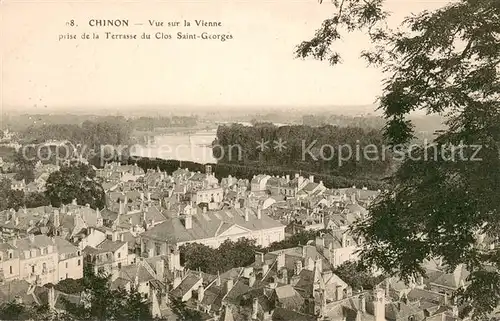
194, 147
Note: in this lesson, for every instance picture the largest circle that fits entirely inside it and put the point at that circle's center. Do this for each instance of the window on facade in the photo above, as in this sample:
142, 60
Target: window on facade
66, 275
44, 267
32, 269
157, 248
79, 262
119, 265
10, 269
66, 264
119, 254
10, 255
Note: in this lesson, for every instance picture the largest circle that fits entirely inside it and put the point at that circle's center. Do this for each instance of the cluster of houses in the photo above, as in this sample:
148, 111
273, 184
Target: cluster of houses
149, 215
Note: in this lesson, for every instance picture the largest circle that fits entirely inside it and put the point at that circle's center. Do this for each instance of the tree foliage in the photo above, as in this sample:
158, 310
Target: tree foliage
104, 303
182, 312
10, 198
228, 255
232, 254
301, 238
444, 61
75, 181
24, 166
354, 274
329, 150
17, 311
240, 171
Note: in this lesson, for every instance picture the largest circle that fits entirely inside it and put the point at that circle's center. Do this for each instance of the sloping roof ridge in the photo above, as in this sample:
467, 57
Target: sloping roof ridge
237, 280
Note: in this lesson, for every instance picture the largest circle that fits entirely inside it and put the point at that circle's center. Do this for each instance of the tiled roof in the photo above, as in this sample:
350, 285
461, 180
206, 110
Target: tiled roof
209, 224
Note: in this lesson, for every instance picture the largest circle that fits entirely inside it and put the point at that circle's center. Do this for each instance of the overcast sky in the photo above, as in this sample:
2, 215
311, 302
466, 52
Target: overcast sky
257, 67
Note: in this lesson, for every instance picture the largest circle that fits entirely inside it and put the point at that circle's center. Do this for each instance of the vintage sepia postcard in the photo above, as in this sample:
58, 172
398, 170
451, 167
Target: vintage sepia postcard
265, 160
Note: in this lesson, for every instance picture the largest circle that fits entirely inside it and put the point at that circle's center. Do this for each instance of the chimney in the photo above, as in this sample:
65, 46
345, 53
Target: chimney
149, 196
362, 303
73, 202
175, 261
445, 299
246, 214
201, 293
339, 293
188, 222
115, 273
31, 237
177, 281
56, 218
310, 264
160, 269
255, 308
51, 297
280, 260
379, 305
319, 264
142, 196
287, 177
344, 240
311, 178
217, 280
251, 279
259, 212
298, 267
259, 257
265, 268
229, 285
320, 243
454, 310
304, 251
285, 275
121, 209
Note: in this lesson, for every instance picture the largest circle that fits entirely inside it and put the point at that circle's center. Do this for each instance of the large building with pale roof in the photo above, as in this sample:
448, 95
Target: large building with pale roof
211, 228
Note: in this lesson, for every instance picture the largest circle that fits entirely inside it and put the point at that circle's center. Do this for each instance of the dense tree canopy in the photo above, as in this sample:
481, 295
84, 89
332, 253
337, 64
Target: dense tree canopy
24, 167
75, 181
229, 255
232, 254
10, 198
444, 61
104, 303
359, 279
328, 149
